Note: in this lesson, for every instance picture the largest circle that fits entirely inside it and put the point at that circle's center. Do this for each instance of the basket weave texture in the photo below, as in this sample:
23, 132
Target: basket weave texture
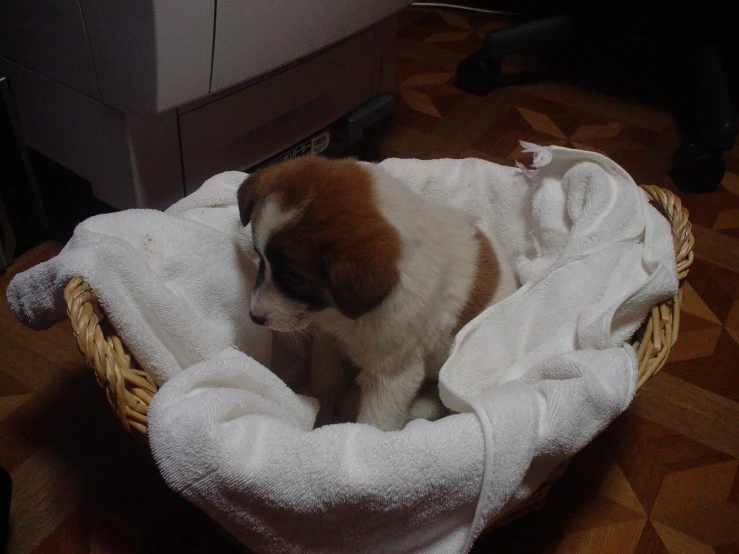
130, 389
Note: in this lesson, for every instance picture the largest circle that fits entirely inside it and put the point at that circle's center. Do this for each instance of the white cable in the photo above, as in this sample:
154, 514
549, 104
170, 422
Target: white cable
465, 8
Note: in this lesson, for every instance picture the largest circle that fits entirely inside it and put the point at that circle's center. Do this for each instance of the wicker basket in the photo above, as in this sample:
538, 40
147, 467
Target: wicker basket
129, 390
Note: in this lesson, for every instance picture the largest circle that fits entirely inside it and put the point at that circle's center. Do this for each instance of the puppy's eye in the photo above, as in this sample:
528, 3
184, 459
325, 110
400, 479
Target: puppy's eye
294, 278
260, 272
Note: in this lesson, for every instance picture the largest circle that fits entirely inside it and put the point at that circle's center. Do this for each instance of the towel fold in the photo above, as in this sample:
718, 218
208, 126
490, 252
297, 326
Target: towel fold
175, 285
535, 376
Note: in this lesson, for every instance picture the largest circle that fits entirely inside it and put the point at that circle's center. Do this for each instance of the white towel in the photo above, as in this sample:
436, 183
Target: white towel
175, 285
539, 374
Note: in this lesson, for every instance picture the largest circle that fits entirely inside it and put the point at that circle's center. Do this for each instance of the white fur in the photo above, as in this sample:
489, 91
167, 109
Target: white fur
407, 338
271, 219
281, 313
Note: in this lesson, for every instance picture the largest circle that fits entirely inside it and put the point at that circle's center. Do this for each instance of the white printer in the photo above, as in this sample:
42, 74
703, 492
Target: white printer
146, 99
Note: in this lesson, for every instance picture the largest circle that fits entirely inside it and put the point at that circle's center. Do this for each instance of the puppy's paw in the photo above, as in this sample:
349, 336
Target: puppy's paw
427, 405
384, 422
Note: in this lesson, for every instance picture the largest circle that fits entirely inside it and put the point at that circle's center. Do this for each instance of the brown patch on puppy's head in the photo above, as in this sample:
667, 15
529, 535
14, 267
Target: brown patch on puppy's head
335, 245
250, 192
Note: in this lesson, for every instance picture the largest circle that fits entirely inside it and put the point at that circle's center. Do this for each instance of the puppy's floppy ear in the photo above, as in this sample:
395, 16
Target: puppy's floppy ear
247, 196
360, 280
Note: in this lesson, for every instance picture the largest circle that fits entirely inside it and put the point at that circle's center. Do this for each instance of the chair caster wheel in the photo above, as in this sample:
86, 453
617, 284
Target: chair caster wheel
696, 167
478, 75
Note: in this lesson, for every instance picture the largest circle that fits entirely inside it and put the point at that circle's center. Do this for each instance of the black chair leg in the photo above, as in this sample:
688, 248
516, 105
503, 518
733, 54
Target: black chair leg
697, 165
480, 72
716, 119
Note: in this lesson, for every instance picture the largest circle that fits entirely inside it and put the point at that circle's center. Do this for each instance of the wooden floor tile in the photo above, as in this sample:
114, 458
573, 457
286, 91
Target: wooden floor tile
695, 502
691, 411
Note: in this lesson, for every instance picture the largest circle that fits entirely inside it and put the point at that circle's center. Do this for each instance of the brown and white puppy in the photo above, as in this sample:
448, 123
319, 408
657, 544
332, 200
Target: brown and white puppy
388, 275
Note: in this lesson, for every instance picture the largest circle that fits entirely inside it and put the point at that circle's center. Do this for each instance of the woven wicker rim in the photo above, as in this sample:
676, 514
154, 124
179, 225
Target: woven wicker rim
129, 389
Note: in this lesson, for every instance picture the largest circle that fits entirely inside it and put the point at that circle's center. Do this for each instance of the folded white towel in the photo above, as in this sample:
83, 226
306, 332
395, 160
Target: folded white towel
540, 374
175, 285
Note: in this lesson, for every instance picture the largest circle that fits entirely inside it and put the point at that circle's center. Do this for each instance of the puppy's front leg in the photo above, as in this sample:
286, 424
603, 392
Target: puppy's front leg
387, 395
327, 378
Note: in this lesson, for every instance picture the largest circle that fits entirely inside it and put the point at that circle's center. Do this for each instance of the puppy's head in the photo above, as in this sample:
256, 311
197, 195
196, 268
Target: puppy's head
321, 239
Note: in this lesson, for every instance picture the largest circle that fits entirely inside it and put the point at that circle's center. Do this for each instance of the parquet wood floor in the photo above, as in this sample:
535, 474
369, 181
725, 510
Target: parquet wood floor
662, 479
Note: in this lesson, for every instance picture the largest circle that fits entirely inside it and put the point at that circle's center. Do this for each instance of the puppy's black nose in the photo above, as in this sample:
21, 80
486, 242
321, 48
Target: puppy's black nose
258, 320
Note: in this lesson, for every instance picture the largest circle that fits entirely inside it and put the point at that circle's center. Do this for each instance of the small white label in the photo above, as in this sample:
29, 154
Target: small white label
315, 145
320, 143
